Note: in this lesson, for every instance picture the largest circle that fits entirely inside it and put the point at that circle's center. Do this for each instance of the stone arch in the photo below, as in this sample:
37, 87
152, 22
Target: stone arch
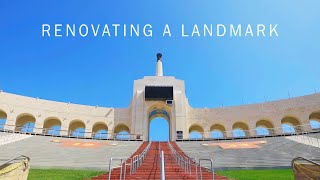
314, 120
159, 112
121, 127
264, 127
3, 118
75, 127
25, 122
122, 131
196, 131
217, 131
52, 125
159, 109
100, 130
240, 129
290, 124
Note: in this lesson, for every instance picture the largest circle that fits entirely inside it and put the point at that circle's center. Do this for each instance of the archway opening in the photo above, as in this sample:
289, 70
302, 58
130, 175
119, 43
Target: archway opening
262, 131
196, 132
217, 131
159, 123
314, 120
159, 129
100, 130
290, 125
52, 126
77, 128
122, 132
288, 128
3, 118
25, 123
240, 129
264, 128
238, 132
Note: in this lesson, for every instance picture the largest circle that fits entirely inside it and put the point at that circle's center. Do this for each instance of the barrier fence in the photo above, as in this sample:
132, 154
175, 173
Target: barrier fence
201, 136
71, 134
191, 165
252, 133
135, 162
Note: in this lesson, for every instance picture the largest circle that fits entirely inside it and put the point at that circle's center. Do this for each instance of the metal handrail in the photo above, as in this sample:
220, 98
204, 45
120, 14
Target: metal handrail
162, 165
308, 160
121, 164
137, 160
276, 131
186, 163
16, 158
183, 161
296, 169
211, 167
113, 136
69, 134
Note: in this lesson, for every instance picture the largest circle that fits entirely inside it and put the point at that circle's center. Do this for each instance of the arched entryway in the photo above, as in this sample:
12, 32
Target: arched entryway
3, 118
240, 129
314, 120
25, 123
121, 132
159, 129
100, 130
52, 125
196, 132
264, 128
217, 131
159, 123
290, 125
77, 128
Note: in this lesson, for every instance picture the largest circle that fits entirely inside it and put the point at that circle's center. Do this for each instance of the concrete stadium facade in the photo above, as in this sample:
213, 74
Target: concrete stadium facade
182, 118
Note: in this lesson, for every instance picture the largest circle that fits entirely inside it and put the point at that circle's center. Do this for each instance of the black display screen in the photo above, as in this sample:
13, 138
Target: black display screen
158, 93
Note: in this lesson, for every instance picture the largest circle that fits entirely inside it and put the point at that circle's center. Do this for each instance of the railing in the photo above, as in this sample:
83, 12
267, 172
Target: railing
19, 158
252, 133
135, 163
211, 167
307, 168
15, 168
137, 160
301, 129
308, 140
71, 134
186, 163
123, 162
162, 165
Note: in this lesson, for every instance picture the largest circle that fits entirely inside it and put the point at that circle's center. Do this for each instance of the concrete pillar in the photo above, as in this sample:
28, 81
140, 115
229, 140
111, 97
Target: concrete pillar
88, 131
10, 122
64, 128
229, 129
304, 119
206, 130
159, 71
38, 125
252, 128
277, 125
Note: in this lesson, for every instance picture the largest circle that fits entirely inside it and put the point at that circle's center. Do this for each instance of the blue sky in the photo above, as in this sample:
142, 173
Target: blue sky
217, 71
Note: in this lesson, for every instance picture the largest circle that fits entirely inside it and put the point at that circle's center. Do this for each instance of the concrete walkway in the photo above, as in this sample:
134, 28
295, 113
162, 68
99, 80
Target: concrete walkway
53, 152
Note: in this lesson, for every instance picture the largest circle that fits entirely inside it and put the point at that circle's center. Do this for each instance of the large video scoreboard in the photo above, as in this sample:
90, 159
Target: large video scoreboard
158, 93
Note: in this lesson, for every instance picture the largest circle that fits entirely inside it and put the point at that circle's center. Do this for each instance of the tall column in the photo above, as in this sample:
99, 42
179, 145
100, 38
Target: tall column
10, 121
88, 130
38, 125
159, 71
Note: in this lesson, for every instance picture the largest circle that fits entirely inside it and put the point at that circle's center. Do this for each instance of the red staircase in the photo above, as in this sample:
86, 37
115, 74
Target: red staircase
150, 168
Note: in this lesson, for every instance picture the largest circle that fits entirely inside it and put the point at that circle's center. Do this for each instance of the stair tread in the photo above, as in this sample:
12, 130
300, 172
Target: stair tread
150, 168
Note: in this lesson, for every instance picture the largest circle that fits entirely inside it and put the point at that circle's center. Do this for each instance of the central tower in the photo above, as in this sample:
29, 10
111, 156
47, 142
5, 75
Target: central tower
159, 96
